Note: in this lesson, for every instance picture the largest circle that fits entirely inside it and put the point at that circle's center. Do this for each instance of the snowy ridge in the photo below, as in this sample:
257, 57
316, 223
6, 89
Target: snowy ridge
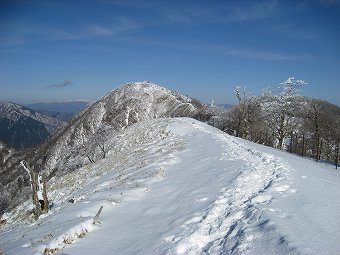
178, 186
225, 226
145, 87
118, 109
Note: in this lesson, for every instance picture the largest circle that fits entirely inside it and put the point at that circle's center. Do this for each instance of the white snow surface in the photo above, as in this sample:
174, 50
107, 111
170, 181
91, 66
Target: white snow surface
178, 186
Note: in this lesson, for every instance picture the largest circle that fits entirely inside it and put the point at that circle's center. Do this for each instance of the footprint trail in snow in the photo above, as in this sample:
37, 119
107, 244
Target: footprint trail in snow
229, 224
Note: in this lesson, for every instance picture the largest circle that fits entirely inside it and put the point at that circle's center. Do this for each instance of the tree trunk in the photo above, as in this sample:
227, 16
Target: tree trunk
38, 209
280, 141
320, 148
35, 193
337, 153
316, 147
44, 193
303, 145
291, 143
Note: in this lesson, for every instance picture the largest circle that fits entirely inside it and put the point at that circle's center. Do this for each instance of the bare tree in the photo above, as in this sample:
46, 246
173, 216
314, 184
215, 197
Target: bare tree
246, 114
102, 139
313, 123
88, 152
97, 144
322, 123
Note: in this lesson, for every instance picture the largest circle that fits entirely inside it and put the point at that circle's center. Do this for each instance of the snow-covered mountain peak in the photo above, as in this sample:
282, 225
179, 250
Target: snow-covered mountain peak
15, 111
109, 115
146, 86
139, 89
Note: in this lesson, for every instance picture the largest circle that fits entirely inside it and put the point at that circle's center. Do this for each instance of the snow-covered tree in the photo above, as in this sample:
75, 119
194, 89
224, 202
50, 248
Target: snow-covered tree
281, 109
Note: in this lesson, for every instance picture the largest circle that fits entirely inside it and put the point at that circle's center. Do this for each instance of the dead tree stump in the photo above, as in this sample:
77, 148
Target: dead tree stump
39, 193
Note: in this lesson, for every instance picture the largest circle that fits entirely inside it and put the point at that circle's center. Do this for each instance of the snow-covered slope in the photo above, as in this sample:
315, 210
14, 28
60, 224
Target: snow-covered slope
92, 133
178, 186
118, 109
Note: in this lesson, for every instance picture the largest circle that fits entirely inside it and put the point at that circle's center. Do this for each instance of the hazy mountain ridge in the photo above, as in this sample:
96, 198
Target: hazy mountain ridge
63, 111
65, 107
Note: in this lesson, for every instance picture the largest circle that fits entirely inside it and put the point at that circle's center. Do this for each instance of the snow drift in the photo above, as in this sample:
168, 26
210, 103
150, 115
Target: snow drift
178, 186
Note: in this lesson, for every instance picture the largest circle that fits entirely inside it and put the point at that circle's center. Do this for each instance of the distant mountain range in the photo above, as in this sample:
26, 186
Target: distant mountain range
21, 127
67, 107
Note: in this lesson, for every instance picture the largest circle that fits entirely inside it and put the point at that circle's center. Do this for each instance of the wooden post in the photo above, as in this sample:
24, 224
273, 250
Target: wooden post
96, 218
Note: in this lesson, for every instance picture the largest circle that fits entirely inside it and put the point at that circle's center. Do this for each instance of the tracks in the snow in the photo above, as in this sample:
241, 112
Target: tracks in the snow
234, 220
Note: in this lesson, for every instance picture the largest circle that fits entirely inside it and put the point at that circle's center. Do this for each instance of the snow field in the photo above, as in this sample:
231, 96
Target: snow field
178, 186
115, 179
225, 225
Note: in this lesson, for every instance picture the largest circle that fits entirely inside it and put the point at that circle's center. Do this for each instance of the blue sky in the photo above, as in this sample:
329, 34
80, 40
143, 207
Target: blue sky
68, 50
